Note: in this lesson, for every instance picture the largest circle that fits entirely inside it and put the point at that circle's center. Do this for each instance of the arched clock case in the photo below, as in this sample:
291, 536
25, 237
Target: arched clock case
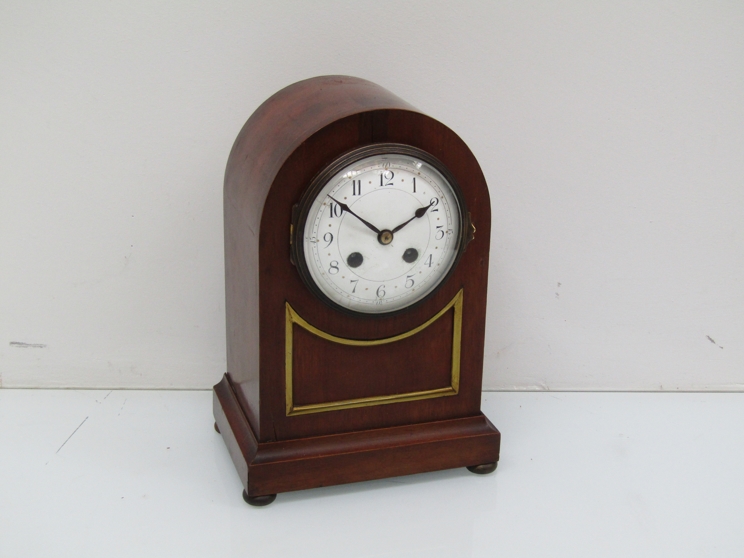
356, 254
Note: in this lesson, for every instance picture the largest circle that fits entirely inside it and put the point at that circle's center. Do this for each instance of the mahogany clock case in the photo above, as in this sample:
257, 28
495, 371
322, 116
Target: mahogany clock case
314, 396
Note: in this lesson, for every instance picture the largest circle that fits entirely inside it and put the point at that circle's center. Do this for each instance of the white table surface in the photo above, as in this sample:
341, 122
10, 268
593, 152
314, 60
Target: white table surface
142, 473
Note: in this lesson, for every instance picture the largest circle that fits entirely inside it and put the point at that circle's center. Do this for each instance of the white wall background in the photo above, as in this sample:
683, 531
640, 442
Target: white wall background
611, 135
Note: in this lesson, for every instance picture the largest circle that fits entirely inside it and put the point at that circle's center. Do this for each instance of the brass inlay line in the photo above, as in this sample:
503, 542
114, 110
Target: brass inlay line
293, 317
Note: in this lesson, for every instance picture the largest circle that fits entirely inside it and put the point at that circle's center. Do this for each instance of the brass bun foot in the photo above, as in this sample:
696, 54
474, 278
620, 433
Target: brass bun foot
259, 500
483, 469
217, 428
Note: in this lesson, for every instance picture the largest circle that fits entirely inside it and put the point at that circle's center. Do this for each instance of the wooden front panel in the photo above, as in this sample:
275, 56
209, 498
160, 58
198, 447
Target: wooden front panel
281, 283
324, 371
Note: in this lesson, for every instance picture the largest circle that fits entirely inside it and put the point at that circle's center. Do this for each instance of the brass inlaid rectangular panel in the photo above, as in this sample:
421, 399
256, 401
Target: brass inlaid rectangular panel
292, 319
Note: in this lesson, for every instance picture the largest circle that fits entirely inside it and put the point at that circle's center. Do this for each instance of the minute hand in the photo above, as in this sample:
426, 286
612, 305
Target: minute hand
345, 207
419, 213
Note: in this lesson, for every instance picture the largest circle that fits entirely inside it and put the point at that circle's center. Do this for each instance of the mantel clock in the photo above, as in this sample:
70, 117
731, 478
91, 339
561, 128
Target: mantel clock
356, 251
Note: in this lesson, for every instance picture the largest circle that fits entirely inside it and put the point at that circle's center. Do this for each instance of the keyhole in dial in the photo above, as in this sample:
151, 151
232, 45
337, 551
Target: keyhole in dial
410, 255
355, 259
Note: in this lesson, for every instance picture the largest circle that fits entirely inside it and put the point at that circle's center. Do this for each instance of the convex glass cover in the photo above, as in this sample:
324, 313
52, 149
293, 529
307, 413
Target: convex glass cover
379, 232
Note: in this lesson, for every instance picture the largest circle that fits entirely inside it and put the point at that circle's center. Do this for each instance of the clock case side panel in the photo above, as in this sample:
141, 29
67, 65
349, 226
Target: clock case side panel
274, 132
281, 283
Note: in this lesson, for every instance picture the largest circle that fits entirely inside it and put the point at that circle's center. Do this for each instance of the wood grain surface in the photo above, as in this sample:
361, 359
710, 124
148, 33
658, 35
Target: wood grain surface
287, 141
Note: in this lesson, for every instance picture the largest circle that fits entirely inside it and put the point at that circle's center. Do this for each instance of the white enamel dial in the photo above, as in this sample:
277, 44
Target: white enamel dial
382, 233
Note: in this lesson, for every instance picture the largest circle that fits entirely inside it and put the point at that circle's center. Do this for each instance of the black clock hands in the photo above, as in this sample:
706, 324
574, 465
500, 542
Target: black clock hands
419, 213
345, 207
385, 237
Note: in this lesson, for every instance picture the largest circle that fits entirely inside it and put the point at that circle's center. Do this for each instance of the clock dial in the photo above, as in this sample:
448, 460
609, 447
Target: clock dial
382, 232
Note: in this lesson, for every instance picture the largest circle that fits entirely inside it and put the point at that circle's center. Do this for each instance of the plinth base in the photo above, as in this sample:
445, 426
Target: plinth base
273, 467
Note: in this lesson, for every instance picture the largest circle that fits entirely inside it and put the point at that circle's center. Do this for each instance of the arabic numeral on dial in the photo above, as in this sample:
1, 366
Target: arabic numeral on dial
328, 237
428, 261
354, 282
414, 184
386, 178
334, 268
409, 281
335, 210
440, 233
434, 203
356, 188
381, 291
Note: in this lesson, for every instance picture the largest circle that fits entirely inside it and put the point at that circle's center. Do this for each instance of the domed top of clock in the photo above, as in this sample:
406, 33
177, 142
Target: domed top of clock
345, 145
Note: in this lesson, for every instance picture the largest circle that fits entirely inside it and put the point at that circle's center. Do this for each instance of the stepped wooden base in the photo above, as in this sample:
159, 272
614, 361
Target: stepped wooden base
270, 468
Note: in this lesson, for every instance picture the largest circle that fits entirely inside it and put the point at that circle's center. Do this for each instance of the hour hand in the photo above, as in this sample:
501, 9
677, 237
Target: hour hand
345, 207
419, 213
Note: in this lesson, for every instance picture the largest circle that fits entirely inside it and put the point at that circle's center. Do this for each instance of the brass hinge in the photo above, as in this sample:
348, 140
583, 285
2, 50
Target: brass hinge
471, 230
